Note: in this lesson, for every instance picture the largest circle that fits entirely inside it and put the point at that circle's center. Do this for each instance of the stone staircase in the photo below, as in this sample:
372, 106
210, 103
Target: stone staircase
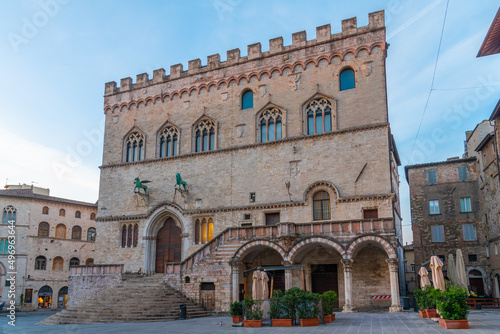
135, 299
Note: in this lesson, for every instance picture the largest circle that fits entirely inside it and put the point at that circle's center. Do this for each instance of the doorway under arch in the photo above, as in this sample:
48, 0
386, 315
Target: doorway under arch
62, 298
45, 297
168, 245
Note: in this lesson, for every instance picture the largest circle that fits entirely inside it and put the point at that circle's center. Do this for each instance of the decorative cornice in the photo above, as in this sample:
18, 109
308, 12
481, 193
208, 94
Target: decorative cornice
238, 208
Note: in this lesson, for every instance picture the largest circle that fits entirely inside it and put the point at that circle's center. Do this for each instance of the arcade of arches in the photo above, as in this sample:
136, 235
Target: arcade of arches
369, 271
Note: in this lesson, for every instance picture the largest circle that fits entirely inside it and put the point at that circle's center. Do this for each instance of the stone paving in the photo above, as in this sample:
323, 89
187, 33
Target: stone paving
484, 321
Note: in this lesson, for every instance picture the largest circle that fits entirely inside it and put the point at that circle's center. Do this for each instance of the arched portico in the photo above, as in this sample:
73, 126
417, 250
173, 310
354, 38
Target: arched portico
254, 254
373, 264
154, 224
321, 259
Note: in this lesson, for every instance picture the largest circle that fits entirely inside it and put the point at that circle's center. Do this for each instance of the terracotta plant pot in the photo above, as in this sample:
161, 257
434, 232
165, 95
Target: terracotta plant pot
454, 324
282, 322
431, 313
309, 322
332, 316
237, 319
327, 319
423, 314
252, 323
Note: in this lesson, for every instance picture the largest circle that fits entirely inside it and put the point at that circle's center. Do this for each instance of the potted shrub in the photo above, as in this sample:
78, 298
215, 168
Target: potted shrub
253, 313
282, 309
307, 305
453, 308
432, 297
328, 301
420, 298
236, 310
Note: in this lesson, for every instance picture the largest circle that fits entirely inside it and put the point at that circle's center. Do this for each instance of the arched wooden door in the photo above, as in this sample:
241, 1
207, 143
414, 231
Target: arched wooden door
168, 245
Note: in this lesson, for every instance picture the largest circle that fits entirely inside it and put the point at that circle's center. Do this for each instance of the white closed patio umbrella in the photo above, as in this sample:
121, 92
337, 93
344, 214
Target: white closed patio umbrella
461, 273
437, 273
452, 269
424, 278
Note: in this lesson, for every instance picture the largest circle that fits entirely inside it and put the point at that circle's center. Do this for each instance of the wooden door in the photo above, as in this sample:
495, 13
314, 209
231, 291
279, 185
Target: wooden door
168, 245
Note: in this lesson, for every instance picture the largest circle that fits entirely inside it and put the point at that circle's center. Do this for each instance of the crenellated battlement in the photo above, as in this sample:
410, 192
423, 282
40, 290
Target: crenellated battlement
254, 52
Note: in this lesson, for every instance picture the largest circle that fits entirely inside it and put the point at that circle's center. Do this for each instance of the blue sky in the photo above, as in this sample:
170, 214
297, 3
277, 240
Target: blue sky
56, 56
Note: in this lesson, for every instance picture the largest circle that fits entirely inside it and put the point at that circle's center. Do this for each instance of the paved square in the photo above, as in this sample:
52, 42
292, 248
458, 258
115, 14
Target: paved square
484, 321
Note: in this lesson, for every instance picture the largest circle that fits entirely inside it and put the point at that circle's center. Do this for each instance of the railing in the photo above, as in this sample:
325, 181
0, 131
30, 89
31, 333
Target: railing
283, 229
96, 269
474, 303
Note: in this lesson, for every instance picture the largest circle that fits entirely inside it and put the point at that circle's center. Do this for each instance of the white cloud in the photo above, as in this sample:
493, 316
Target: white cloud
22, 159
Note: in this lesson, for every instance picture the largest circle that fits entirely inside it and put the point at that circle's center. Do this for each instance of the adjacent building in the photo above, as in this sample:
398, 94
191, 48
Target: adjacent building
51, 234
456, 204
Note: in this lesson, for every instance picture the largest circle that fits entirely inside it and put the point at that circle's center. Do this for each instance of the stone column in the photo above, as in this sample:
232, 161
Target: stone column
288, 275
308, 277
185, 244
348, 285
235, 268
393, 276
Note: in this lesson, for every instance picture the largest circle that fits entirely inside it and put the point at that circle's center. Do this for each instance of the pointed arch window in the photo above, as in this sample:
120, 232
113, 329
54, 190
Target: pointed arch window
89, 262
9, 214
62, 213
321, 205
130, 235
169, 142
247, 100
45, 210
271, 125
134, 147
78, 214
205, 136
347, 79
43, 229
92, 216
319, 116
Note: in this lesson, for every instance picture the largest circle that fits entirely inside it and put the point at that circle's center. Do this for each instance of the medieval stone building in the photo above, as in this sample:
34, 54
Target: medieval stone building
287, 157
50, 234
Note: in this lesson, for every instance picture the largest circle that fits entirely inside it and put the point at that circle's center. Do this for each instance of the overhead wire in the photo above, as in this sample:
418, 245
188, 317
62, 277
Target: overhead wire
432, 82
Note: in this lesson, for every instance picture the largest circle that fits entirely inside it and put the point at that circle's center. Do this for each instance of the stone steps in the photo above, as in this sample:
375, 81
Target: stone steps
135, 299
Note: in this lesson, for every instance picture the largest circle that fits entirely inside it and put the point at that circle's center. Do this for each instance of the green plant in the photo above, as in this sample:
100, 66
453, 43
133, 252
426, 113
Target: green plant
282, 305
452, 304
328, 301
427, 298
307, 305
236, 308
253, 311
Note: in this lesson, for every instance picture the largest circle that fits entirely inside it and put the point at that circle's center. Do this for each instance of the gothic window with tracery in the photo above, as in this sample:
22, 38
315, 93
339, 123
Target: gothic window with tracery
136, 235
134, 147
130, 235
205, 136
319, 116
271, 125
124, 236
169, 139
9, 214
